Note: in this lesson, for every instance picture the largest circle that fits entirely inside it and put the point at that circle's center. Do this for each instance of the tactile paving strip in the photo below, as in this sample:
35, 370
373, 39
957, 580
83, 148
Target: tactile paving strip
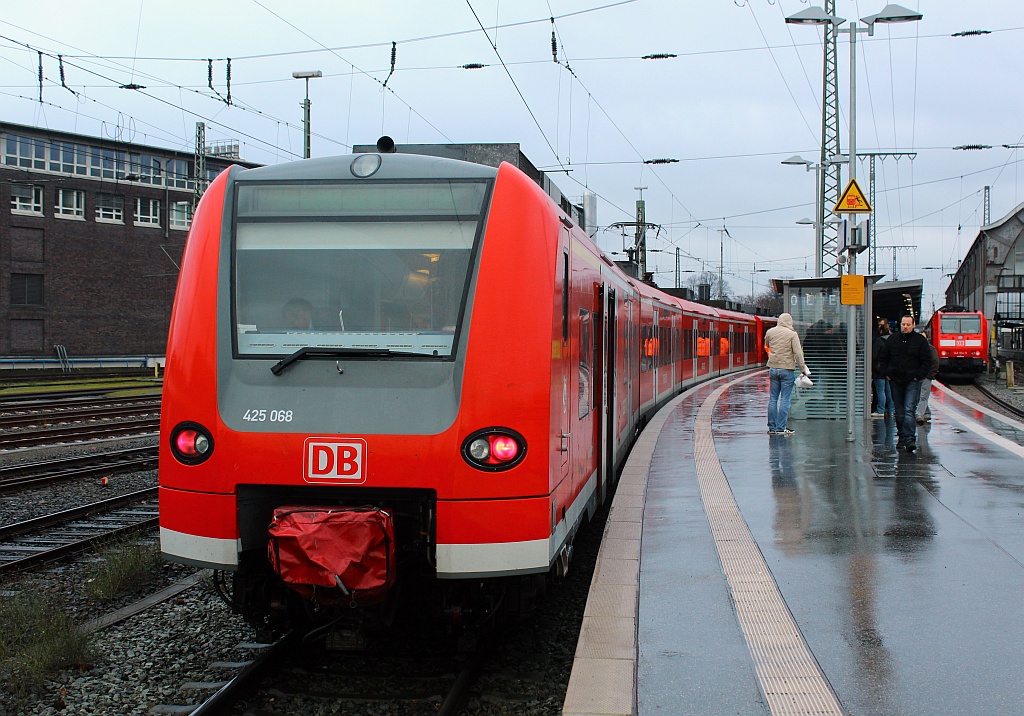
790, 678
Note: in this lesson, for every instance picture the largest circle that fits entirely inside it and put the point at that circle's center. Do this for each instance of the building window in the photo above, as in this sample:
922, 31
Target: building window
26, 289
69, 158
147, 211
180, 214
177, 174
27, 198
107, 164
109, 207
148, 169
70, 202
25, 152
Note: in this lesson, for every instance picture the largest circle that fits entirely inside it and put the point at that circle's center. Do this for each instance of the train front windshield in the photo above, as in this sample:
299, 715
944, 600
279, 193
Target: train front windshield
960, 324
353, 265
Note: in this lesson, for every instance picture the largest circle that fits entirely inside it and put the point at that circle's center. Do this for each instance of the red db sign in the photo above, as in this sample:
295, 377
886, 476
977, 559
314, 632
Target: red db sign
334, 460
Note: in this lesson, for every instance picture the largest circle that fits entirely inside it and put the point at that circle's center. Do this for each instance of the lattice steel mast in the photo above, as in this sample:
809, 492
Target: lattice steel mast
830, 183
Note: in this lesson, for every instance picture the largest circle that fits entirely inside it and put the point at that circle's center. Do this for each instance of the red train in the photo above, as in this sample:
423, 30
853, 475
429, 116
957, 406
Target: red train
961, 337
390, 338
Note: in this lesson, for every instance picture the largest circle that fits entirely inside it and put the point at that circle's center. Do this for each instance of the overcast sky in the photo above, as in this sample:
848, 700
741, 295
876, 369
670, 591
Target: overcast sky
742, 94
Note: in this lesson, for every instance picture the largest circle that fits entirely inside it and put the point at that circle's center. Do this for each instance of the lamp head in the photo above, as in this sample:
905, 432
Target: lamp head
814, 16
308, 74
893, 13
797, 161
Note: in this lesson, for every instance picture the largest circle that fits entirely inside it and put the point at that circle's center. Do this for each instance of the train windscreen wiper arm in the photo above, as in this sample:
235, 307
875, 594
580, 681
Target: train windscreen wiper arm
316, 352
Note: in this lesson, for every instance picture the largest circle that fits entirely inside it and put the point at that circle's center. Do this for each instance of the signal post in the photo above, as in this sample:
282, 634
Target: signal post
853, 239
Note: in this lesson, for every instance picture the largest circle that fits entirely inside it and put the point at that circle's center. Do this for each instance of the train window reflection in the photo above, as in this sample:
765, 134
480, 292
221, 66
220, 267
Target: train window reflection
961, 324
362, 282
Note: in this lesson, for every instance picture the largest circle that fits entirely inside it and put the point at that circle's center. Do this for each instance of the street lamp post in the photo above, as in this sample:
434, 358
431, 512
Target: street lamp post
306, 75
755, 270
819, 209
891, 13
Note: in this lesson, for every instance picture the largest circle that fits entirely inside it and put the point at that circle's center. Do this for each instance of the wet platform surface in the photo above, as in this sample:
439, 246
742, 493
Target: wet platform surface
903, 573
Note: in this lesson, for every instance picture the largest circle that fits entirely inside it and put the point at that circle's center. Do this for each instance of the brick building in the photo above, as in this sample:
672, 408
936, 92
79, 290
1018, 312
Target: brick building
91, 236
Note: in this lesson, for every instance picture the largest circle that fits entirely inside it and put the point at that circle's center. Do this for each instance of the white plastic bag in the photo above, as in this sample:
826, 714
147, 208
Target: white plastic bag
802, 381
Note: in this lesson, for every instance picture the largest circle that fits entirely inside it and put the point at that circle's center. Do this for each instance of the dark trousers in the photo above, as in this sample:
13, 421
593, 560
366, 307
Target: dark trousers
905, 396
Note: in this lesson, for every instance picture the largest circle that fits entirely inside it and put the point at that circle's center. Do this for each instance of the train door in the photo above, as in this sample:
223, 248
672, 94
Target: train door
604, 387
673, 357
652, 352
565, 433
632, 360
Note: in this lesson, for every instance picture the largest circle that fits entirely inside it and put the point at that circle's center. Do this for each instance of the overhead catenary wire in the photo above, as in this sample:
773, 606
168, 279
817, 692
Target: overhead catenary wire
526, 104
528, 90
310, 37
110, 82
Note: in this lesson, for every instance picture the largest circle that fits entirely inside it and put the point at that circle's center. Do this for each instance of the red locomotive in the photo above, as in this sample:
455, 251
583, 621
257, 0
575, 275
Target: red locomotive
961, 337
387, 368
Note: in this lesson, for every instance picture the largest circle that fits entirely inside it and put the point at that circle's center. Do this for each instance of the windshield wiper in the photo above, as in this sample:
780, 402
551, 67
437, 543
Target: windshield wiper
313, 352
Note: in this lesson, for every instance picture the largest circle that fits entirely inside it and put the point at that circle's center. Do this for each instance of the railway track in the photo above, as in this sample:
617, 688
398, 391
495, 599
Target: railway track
245, 681
8, 399
77, 433
37, 474
65, 411
1008, 407
43, 539
249, 674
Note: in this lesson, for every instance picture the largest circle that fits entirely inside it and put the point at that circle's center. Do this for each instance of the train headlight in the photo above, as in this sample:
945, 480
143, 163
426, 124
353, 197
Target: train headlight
365, 165
494, 449
480, 449
191, 443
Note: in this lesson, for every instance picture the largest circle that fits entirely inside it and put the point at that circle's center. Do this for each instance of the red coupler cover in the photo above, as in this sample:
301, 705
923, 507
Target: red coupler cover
334, 554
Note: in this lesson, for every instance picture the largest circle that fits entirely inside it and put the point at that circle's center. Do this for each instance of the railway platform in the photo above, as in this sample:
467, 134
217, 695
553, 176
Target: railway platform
747, 573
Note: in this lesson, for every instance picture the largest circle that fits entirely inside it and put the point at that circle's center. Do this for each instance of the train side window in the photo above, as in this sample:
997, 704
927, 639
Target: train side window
585, 364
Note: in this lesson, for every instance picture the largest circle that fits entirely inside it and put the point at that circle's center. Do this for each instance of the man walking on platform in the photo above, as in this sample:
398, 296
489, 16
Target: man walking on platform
905, 360
784, 355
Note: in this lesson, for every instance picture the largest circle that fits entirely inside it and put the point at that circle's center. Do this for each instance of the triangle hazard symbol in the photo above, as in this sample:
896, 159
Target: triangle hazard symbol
852, 201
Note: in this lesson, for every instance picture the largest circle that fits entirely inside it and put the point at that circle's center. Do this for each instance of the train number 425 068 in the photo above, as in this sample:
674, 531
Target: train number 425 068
260, 415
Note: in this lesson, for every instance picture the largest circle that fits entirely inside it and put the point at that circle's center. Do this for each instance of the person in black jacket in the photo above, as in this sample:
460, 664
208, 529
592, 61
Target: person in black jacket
883, 394
905, 360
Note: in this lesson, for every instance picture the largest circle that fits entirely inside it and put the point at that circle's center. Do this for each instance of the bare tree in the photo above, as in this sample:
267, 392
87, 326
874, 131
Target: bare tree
768, 301
709, 277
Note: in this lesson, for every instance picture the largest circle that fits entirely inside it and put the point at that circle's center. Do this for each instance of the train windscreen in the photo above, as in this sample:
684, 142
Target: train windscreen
960, 324
353, 265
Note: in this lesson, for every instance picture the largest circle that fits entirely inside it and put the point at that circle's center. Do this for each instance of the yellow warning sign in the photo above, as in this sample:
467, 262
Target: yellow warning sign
852, 201
851, 290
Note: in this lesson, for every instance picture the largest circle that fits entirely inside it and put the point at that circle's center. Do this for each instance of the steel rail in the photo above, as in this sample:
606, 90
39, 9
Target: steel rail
27, 475
245, 681
91, 410
75, 546
1009, 407
56, 518
9, 399
60, 435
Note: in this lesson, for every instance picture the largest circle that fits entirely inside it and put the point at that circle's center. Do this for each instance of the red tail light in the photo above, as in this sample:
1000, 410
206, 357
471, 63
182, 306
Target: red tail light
494, 449
191, 443
504, 448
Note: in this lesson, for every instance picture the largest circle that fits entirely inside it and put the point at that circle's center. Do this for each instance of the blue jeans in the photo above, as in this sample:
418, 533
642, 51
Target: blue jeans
905, 397
781, 382
883, 396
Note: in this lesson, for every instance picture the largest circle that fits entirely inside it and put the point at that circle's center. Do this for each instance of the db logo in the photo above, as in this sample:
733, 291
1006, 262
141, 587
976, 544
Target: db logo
333, 460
